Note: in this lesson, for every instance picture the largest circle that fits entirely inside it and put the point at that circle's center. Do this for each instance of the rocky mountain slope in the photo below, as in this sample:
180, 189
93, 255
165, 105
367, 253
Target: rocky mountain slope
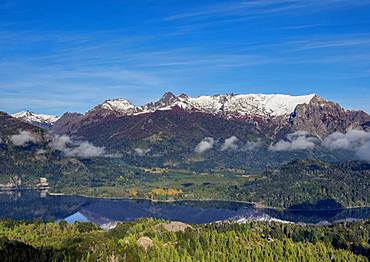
261, 105
167, 132
274, 116
322, 118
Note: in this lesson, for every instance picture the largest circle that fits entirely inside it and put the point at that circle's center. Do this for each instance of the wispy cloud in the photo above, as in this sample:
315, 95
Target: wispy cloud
57, 70
333, 42
257, 8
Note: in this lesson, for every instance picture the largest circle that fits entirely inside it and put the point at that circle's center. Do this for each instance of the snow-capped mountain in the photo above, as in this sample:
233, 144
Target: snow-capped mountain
250, 104
41, 120
273, 115
261, 105
117, 107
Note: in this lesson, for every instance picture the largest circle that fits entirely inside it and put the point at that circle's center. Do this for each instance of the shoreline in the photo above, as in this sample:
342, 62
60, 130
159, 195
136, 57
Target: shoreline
253, 204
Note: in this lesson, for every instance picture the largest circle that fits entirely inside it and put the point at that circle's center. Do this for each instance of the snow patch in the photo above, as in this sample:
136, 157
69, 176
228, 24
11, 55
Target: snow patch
118, 105
31, 117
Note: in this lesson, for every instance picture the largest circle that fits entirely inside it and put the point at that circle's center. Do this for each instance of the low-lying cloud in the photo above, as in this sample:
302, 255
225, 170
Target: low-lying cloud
60, 143
141, 152
234, 144
363, 152
204, 145
250, 145
230, 143
351, 139
23, 138
69, 148
354, 140
41, 152
300, 140
357, 141
85, 150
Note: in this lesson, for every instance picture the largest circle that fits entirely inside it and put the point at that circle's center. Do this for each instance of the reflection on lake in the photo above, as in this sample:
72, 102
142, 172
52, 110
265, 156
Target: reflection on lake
32, 204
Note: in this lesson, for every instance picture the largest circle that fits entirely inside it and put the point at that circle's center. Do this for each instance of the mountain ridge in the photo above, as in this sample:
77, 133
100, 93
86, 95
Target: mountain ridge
257, 104
41, 120
273, 115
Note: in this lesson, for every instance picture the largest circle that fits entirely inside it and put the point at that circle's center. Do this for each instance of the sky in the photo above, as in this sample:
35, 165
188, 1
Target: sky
70, 55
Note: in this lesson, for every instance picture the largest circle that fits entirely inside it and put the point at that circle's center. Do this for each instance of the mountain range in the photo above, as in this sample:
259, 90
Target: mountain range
273, 115
232, 130
254, 147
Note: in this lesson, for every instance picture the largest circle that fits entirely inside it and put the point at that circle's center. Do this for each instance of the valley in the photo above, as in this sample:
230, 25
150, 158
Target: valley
230, 147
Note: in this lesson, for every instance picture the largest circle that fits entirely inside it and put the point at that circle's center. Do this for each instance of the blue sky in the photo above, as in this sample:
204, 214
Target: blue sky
58, 56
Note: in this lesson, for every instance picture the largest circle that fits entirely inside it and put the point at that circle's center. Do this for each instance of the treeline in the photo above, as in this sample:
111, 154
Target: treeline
155, 240
308, 182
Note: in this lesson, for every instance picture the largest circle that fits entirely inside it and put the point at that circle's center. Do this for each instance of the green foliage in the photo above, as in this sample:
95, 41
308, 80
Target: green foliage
308, 182
253, 241
303, 183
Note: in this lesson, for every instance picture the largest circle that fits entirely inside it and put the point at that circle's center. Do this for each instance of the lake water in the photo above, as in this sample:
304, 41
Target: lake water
32, 204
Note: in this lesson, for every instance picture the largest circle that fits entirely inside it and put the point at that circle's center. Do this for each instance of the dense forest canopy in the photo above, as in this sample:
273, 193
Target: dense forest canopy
158, 240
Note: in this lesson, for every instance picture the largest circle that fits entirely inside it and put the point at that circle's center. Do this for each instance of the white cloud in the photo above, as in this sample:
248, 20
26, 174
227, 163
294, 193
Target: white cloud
204, 145
355, 140
231, 10
84, 150
363, 152
141, 152
114, 155
75, 149
233, 144
230, 143
351, 139
300, 140
23, 138
40, 152
249, 146
60, 143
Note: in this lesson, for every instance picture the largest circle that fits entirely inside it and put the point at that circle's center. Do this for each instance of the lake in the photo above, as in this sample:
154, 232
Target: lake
33, 204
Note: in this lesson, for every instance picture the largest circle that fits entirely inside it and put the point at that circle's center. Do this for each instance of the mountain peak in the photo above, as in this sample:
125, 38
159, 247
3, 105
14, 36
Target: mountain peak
118, 105
167, 99
251, 104
168, 95
37, 119
184, 96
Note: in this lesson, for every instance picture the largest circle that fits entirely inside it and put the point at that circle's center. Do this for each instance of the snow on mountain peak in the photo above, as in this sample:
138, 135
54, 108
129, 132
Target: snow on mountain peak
261, 105
232, 104
31, 117
119, 105
250, 104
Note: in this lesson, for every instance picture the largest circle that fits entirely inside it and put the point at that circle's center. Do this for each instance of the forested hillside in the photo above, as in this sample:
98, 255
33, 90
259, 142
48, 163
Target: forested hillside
154, 240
